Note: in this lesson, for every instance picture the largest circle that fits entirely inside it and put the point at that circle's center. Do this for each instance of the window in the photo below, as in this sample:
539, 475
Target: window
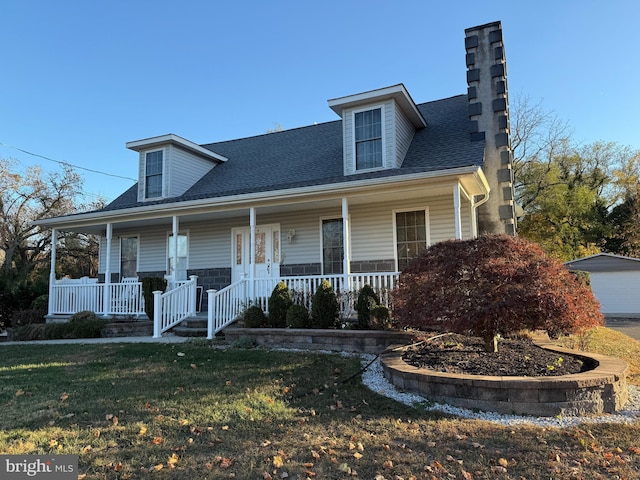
181, 263
411, 236
332, 246
368, 136
153, 174
128, 257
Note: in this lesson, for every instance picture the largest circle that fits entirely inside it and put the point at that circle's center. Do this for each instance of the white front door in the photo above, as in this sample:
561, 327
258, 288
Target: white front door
267, 252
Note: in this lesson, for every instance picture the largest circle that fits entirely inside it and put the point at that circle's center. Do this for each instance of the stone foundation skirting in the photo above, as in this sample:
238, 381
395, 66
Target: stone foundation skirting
598, 391
355, 341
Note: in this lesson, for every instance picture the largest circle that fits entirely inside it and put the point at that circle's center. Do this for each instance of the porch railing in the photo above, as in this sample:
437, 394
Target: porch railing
226, 305
71, 296
173, 306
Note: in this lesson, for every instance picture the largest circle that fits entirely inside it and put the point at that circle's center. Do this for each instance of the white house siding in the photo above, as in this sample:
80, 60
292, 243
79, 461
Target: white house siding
184, 170
404, 135
617, 292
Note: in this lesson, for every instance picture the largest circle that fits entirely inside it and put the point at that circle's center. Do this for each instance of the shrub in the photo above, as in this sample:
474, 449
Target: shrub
254, 317
150, 285
81, 325
279, 302
24, 333
492, 285
380, 317
41, 302
298, 317
28, 317
325, 310
367, 301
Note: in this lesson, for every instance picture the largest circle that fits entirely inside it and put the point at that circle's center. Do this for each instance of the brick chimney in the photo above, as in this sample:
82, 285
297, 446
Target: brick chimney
489, 122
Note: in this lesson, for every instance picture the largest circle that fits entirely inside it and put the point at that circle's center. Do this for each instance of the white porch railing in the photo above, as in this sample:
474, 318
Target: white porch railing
226, 305
71, 296
173, 306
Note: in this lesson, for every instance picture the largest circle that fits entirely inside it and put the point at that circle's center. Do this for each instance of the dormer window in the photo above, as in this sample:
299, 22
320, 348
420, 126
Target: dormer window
153, 174
368, 139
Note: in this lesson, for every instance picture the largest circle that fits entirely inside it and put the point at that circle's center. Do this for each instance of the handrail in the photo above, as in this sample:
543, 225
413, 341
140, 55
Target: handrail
175, 306
225, 305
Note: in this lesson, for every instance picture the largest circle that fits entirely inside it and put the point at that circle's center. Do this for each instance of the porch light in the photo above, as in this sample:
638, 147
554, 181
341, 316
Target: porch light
290, 235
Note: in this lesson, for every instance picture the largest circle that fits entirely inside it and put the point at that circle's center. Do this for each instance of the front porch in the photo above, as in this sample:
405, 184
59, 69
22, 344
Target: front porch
182, 300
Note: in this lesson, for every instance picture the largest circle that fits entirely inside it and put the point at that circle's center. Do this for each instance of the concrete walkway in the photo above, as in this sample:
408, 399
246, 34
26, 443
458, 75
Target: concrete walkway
84, 341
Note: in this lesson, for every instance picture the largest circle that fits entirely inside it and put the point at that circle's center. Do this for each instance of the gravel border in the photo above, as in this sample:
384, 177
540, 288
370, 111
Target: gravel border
373, 378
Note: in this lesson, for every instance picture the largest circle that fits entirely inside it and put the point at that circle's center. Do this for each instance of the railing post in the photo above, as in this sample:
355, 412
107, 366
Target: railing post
210, 294
193, 297
157, 313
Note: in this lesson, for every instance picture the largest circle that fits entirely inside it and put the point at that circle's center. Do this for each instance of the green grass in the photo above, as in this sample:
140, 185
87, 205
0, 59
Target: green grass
192, 411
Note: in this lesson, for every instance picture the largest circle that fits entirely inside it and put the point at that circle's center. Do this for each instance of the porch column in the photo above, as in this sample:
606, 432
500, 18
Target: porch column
106, 299
346, 240
472, 215
175, 230
456, 211
52, 274
252, 253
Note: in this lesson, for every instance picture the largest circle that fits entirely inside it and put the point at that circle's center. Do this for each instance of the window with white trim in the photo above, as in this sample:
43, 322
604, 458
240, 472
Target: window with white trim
332, 246
181, 263
368, 138
128, 257
153, 174
411, 235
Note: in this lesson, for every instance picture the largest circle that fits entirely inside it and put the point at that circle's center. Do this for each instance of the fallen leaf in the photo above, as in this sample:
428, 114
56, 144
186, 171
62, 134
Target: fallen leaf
158, 467
225, 427
87, 448
82, 476
143, 430
226, 462
503, 462
180, 354
266, 443
19, 392
184, 422
173, 459
157, 440
358, 455
194, 366
64, 396
277, 461
315, 454
387, 464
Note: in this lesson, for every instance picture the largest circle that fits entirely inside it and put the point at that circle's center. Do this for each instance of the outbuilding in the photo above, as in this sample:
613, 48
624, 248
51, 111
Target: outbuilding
615, 282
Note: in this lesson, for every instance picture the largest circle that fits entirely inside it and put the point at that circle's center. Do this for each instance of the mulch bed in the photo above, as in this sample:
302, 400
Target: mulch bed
454, 353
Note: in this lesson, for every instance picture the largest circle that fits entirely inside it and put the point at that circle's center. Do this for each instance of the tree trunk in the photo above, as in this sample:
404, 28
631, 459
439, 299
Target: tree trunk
491, 344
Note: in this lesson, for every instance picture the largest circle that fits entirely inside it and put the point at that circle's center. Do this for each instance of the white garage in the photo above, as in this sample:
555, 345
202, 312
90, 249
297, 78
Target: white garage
615, 282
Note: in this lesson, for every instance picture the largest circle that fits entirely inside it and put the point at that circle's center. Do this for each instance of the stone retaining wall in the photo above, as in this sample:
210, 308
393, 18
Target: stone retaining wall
356, 341
601, 390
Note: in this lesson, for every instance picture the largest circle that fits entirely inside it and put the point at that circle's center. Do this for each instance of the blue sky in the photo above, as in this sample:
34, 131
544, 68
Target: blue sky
81, 78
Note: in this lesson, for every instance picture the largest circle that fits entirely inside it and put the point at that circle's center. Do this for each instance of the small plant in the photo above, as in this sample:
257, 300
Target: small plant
254, 317
367, 301
83, 324
325, 310
245, 342
380, 318
298, 317
83, 316
279, 302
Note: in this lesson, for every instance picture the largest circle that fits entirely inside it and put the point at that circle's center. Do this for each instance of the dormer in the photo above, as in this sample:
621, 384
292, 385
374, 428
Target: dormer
169, 165
377, 128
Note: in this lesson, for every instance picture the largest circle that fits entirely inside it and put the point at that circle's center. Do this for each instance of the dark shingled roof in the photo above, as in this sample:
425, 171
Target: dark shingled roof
312, 155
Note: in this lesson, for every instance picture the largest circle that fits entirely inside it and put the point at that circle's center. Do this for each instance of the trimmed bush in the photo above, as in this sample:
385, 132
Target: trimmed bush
84, 316
493, 285
84, 325
254, 317
298, 317
150, 285
28, 317
325, 310
279, 302
367, 301
380, 318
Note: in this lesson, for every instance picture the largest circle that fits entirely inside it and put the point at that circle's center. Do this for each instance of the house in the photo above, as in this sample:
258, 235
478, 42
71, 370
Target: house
351, 200
615, 282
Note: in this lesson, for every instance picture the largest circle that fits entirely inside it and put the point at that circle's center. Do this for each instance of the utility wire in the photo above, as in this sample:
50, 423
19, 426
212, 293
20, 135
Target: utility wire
69, 164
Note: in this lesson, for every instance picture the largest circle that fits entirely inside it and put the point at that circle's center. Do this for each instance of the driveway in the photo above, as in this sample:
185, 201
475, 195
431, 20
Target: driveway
628, 326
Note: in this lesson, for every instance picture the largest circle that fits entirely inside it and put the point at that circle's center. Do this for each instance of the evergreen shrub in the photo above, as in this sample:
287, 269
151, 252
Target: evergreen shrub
325, 310
254, 317
150, 285
298, 317
367, 301
279, 302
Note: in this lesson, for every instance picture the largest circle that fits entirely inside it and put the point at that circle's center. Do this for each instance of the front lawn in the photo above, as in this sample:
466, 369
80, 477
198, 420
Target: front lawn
192, 411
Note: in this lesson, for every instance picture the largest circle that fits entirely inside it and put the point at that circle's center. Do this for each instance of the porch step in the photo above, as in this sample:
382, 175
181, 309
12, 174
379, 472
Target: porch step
192, 327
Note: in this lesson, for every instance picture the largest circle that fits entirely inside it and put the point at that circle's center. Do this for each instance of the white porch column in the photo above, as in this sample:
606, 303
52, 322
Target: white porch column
106, 299
252, 252
474, 220
456, 211
346, 240
52, 274
175, 229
